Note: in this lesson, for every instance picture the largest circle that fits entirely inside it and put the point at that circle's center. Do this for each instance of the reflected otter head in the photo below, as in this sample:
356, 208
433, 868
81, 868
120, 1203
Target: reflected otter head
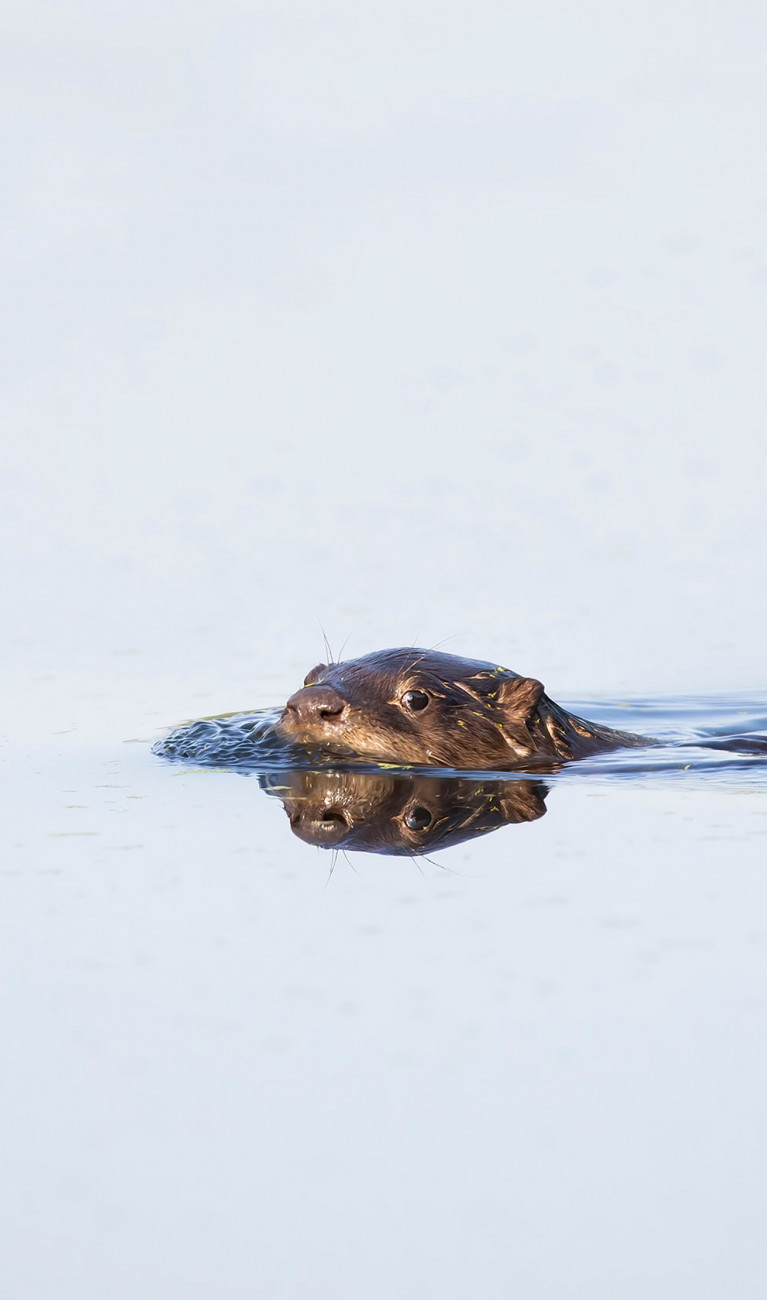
418, 707
384, 813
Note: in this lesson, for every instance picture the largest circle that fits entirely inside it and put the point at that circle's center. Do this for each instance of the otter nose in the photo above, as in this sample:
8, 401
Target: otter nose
313, 704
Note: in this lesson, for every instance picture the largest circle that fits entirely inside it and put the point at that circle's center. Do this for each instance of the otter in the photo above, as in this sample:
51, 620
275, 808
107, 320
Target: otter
404, 708
424, 708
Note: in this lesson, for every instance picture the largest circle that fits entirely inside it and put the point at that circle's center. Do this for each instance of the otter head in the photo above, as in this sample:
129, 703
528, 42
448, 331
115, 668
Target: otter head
416, 707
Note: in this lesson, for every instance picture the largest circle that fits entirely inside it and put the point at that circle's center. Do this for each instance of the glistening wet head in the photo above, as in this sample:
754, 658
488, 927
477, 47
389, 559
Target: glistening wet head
426, 708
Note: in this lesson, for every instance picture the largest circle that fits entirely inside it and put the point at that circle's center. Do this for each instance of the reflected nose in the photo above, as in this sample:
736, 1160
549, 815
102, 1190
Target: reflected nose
327, 826
315, 704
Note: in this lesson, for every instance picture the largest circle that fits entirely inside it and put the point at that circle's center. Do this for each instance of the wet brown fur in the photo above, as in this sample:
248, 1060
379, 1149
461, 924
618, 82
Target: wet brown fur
480, 716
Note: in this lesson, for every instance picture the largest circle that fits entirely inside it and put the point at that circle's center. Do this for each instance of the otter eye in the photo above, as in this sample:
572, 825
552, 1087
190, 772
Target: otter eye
311, 677
415, 700
418, 819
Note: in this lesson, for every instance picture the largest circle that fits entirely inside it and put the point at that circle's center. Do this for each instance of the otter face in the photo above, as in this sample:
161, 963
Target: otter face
416, 707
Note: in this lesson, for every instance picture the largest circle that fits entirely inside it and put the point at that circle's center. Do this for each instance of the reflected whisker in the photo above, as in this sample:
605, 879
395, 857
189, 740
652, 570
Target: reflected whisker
414, 859
440, 865
333, 860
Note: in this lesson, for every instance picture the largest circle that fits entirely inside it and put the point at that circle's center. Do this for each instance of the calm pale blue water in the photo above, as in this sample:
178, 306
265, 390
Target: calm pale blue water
226, 1065
428, 325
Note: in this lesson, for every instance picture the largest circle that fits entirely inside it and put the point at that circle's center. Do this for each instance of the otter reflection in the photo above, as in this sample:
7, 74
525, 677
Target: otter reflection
381, 812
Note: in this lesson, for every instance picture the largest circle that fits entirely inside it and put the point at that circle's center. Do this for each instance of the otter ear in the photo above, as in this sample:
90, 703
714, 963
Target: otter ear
518, 698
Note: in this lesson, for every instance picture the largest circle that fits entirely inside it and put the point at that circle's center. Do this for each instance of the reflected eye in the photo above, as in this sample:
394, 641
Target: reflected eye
415, 700
418, 819
311, 677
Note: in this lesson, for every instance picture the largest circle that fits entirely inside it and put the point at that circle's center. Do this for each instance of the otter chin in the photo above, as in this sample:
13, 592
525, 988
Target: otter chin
423, 708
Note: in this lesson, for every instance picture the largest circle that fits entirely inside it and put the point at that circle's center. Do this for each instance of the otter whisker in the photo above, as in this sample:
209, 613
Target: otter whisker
444, 641
328, 651
416, 662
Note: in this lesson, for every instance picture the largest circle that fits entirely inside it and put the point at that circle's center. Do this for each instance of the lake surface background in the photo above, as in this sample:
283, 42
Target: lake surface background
422, 322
